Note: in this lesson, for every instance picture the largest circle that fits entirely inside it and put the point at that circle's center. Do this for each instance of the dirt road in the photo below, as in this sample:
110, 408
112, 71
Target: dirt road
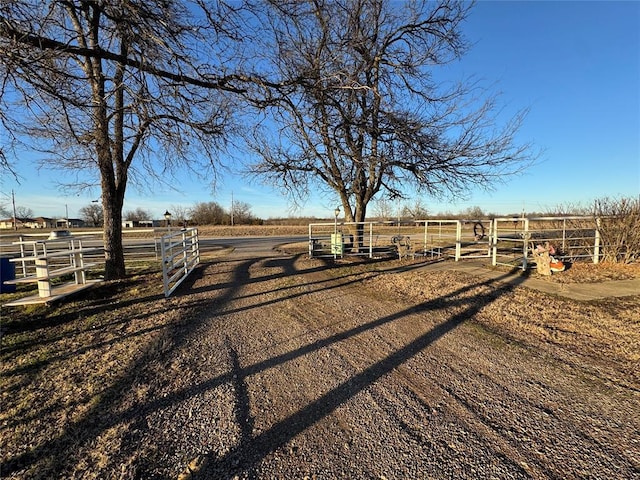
323, 376
286, 367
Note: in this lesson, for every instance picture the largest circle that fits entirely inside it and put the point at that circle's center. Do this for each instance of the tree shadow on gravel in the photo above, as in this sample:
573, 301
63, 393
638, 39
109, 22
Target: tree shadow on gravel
114, 407
335, 282
247, 454
285, 264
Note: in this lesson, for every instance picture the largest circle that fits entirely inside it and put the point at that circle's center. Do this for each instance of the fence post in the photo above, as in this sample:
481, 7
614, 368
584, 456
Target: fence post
371, 240
185, 257
458, 239
525, 244
424, 243
596, 244
489, 237
22, 255
494, 242
165, 268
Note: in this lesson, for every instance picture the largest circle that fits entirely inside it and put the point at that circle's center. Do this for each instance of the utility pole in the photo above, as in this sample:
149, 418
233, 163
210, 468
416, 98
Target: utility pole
13, 200
232, 208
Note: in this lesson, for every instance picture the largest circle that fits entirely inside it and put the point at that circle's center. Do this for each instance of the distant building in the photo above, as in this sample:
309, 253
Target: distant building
69, 223
139, 223
9, 223
41, 223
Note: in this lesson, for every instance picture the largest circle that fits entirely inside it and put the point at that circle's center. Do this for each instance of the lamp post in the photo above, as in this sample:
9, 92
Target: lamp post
336, 212
167, 217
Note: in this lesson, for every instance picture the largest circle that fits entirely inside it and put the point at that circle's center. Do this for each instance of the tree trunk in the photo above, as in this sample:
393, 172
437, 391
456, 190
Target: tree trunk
359, 217
112, 236
113, 187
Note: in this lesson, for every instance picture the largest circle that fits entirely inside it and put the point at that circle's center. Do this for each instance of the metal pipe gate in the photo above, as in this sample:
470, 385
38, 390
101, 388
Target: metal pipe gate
180, 255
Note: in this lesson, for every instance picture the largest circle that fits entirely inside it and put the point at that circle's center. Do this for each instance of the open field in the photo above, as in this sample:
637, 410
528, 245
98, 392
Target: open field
286, 367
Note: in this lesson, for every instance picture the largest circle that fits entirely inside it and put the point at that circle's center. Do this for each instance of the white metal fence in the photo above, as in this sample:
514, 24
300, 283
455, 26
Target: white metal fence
180, 255
455, 238
503, 241
576, 238
337, 240
145, 244
369, 239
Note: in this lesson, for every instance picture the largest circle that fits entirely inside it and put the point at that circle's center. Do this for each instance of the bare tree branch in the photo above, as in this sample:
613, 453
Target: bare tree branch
43, 43
366, 117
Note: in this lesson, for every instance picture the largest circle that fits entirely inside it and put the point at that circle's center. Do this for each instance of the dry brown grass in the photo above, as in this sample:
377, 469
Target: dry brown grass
62, 363
592, 273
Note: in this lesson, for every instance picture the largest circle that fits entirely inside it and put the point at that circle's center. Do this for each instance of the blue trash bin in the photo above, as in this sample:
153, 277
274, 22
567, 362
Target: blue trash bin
7, 272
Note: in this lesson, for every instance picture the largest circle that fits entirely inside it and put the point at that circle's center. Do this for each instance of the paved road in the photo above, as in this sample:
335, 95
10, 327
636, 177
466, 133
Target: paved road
242, 246
250, 246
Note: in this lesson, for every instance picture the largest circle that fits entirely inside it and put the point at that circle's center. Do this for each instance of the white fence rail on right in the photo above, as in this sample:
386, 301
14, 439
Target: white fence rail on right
574, 237
180, 255
502, 240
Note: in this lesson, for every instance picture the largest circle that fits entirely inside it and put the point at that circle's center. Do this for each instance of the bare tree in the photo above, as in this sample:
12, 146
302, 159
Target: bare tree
473, 213
7, 144
619, 226
116, 91
181, 214
415, 211
92, 215
383, 208
24, 212
5, 165
137, 215
207, 213
5, 211
242, 213
366, 115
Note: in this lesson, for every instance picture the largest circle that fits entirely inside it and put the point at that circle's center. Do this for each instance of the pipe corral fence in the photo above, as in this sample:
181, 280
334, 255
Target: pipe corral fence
180, 255
179, 251
141, 244
503, 240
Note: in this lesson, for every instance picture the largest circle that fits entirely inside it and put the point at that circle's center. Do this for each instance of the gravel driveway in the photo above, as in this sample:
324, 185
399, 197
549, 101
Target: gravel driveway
295, 370
287, 367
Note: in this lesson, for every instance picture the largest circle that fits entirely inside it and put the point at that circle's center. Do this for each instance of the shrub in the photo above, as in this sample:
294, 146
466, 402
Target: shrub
619, 225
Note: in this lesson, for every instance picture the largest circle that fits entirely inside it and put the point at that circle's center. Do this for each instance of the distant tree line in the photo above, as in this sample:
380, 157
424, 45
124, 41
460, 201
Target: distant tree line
212, 213
202, 213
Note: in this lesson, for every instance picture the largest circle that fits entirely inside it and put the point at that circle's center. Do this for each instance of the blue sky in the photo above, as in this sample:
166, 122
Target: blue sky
575, 65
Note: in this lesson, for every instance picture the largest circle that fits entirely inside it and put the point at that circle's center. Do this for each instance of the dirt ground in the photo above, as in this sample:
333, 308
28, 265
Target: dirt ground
289, 367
